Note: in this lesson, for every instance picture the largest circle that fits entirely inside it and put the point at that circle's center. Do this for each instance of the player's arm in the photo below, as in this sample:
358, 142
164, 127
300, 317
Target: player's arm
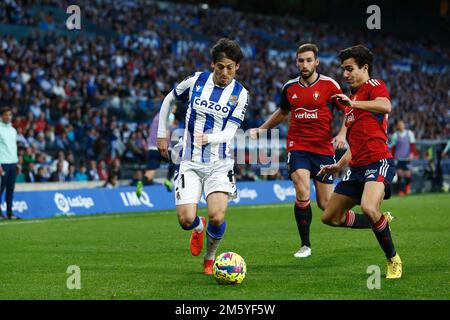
220, 137
161, 141
378, 105
233, 123
276, 118
179, 93
339, 141
335, 168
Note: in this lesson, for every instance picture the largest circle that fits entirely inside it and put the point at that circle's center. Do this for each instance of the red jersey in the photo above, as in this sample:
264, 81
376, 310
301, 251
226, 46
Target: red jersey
311, 114
367, 131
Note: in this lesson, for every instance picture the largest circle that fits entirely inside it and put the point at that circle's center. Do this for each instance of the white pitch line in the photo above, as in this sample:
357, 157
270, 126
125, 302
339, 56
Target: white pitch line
130, 215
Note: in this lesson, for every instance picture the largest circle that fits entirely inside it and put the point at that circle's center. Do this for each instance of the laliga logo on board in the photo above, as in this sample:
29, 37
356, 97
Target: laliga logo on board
64, 203
282, 193
305, 113
19, 206
245, 193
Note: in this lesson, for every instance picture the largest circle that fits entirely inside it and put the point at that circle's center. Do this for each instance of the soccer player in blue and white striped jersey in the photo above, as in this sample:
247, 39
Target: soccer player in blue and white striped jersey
216, 108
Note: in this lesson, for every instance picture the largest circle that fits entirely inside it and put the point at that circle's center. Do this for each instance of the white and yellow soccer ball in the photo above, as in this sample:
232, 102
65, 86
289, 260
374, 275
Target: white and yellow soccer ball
229, 268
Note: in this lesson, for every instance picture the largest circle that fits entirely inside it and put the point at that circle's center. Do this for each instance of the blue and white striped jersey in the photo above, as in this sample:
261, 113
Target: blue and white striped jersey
210, 109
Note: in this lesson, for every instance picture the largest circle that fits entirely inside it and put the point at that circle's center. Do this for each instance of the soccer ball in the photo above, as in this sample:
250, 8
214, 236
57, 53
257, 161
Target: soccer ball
229, 268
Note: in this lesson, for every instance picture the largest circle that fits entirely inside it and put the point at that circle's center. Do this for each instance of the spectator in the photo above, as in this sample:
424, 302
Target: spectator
65, 164
20, 177
82, 175
102, 171
112, 182
59, 175
42, 174
92, 171
29, 173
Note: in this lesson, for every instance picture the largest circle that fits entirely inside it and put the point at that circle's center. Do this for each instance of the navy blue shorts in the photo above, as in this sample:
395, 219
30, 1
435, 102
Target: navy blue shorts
403, 165
310, 161
352, 184
154, 159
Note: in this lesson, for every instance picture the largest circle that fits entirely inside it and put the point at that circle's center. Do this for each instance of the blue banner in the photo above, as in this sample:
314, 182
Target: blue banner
42, 204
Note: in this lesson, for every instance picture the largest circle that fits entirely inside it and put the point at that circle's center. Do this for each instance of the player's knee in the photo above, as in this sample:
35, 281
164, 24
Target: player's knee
369, 210
329, 218
322, 204
185, 222
216, 218
302, 192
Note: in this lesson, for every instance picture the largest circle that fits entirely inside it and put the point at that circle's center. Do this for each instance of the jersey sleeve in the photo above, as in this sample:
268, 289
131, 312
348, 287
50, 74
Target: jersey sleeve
379, 91
181, 91
238, 114
284, 103
336, 89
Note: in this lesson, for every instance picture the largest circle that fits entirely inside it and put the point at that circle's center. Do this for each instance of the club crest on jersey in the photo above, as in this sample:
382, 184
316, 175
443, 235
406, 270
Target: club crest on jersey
349, 116
198, 88
316, 95
233, 100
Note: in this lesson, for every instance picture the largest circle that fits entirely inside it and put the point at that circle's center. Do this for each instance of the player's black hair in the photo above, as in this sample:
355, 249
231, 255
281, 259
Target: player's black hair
308, 47
4, 110
360, 53
226, 48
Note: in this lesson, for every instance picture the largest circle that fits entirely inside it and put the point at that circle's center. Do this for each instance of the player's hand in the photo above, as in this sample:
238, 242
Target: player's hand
163, 147
339, 141
254, 132
329, 169
343, 99
201, 139
1, 170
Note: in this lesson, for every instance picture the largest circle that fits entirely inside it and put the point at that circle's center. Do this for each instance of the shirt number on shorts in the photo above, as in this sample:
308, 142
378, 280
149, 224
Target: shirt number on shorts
347, 175
182, 181
230, 175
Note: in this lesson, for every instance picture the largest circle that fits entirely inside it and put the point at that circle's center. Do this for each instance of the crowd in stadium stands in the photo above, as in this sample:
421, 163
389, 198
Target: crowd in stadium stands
83, 105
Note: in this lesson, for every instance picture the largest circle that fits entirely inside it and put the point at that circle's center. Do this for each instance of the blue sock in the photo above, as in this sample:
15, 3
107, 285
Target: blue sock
193, 225
216, 232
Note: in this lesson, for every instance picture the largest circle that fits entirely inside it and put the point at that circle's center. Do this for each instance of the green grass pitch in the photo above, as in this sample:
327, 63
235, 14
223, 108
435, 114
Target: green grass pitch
146, 256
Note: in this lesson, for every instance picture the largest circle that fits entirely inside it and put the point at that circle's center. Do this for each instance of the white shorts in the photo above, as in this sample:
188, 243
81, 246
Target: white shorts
194, 178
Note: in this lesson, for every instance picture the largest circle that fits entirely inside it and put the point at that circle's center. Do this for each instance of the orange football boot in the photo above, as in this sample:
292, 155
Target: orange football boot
196, 243
208, 267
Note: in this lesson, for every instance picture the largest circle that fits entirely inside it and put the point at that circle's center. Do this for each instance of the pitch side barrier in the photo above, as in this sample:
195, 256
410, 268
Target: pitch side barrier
87, 201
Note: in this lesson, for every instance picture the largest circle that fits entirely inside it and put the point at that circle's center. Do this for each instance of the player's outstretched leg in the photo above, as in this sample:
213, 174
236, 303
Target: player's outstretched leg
196, 242
189, 220
370, 202
338, 213
217, 204
213, 236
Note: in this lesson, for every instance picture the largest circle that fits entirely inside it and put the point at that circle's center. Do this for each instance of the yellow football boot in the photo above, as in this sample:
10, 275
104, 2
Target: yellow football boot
394, 267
